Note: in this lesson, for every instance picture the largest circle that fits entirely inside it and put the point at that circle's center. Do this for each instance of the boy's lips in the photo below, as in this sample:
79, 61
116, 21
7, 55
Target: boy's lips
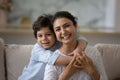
46, 43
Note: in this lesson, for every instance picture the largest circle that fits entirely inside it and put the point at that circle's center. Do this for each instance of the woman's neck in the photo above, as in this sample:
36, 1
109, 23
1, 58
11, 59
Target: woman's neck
68, 48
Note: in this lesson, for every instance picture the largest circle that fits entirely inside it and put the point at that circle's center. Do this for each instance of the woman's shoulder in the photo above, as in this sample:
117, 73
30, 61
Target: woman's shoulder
92, 51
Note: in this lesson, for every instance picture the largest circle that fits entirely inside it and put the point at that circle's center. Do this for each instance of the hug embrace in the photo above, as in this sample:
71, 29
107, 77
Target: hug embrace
60, 53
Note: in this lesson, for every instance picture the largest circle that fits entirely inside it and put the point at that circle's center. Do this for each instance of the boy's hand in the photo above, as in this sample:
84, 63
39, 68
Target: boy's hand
80, 47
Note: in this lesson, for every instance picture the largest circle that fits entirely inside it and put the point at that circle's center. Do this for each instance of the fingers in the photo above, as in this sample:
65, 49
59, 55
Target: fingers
71, 54
80, 60
72, 61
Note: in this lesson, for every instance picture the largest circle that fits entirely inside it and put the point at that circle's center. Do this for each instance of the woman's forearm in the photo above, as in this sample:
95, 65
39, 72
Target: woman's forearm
67, 73
95, 75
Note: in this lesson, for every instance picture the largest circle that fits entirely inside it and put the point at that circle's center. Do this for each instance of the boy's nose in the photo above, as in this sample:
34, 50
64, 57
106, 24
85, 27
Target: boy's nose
44, 37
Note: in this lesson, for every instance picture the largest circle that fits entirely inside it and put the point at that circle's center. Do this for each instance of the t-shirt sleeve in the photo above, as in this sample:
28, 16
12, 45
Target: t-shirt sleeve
43, 55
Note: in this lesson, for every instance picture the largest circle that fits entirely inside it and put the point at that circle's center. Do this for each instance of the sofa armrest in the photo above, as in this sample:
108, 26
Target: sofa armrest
111, 59
17, 56
2, 68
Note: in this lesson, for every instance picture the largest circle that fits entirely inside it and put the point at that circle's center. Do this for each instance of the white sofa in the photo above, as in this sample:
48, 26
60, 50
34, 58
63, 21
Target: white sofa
13, 58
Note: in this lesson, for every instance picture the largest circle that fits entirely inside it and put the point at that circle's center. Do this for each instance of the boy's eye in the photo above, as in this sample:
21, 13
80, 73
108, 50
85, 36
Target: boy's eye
39, 35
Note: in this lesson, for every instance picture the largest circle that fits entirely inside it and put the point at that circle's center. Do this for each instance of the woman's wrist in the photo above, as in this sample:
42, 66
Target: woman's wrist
94, 74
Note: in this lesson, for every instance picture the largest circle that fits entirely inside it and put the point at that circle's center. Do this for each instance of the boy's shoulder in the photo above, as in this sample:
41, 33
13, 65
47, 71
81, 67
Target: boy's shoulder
37, 46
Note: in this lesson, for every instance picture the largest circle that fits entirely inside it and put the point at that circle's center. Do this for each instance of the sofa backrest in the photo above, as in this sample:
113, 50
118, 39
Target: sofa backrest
111, 58
2, 69
17, 56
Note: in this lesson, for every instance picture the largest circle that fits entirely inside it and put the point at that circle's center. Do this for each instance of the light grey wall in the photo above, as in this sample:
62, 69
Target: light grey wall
83, 9
33, 11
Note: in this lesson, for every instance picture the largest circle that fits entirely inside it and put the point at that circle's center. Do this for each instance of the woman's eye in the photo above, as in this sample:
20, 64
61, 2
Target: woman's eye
67, 25
57, 29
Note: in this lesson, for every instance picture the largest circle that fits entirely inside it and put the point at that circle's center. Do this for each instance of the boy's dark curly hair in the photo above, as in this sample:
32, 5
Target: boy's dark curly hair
42, 21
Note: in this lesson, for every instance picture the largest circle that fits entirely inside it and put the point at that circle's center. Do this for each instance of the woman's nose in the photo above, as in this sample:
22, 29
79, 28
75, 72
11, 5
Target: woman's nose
63, 31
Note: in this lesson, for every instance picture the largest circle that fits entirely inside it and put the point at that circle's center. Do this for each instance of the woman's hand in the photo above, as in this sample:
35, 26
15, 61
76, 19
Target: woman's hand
87, 65
70, 69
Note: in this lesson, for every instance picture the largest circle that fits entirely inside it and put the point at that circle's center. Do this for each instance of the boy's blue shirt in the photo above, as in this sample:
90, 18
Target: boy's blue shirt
39, 58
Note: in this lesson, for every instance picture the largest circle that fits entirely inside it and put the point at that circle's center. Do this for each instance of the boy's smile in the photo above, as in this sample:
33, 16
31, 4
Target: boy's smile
45, 37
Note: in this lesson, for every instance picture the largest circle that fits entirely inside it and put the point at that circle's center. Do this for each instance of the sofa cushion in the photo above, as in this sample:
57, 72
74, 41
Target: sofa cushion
2, 69
111, 58
17, 56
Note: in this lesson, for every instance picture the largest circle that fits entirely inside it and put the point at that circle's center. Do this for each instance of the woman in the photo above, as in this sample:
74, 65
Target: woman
86, 66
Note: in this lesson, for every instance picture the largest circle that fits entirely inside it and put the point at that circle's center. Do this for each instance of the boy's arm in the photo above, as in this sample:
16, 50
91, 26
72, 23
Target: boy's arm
81, 45
48, 56
43, 55
82, 42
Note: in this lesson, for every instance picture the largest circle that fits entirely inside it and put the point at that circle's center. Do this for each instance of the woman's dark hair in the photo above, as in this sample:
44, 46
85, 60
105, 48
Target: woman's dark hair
42, 22
64, 14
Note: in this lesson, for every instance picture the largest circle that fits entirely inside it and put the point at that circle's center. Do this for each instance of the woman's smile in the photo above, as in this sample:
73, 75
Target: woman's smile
66, 37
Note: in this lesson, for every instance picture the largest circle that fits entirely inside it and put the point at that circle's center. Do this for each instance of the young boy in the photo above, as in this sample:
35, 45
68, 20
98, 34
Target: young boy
43, 51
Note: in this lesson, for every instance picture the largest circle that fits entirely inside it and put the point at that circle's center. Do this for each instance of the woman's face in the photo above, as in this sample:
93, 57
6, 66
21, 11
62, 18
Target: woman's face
65, 30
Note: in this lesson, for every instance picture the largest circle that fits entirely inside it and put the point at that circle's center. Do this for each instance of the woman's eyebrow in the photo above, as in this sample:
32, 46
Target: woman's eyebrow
66, 23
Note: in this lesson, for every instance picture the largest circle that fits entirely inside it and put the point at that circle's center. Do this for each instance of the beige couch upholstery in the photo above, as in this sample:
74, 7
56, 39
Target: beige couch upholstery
111, 58
2, 65
14, 57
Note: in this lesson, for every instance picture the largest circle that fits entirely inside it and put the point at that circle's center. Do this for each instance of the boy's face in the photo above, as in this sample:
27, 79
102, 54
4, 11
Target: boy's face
45, 37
